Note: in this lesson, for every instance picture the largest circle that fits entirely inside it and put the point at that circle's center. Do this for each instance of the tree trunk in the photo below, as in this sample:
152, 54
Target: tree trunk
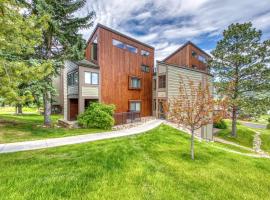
47, 108
19, 109
234, 118
192, 144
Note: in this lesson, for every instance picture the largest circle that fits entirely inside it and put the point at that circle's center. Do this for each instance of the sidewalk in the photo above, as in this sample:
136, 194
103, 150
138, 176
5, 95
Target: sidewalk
41, 144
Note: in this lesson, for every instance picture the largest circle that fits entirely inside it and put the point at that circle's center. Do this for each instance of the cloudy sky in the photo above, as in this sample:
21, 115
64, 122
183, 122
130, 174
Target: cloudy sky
167, 24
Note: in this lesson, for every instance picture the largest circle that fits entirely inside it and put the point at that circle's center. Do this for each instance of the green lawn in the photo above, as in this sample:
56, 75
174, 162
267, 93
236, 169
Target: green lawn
155, 165
5, 110
244, 137
265, 137
14, 128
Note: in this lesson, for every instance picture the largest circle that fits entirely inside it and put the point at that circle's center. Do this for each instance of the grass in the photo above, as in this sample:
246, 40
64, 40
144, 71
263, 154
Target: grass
244, 137
265, 137
8, 109
155, 165
14, 128
232, 147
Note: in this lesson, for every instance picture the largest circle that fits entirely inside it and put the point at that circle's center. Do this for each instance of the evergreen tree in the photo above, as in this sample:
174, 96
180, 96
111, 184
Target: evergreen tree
60, 40
19, 35
241, 65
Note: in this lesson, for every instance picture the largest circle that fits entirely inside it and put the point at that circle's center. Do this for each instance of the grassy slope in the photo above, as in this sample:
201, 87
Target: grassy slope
6, 110
150, 166
265, 137
244, 137
29, 127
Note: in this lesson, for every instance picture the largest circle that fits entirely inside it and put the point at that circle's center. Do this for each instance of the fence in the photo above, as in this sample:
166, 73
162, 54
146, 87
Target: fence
127, 117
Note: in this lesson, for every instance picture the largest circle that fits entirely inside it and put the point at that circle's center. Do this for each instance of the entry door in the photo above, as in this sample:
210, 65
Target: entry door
161, 110
73, 109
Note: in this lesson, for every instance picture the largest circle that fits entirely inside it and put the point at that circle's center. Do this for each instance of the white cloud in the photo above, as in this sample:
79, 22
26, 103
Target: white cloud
166, 24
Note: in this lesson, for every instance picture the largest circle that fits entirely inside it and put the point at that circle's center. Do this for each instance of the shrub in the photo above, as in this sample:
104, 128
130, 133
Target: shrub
268, 126
220, 124
97, 115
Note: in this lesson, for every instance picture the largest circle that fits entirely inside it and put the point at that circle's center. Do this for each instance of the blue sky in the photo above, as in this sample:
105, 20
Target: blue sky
167, 24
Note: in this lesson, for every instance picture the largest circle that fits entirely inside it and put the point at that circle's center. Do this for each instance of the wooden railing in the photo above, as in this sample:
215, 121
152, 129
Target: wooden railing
127, 117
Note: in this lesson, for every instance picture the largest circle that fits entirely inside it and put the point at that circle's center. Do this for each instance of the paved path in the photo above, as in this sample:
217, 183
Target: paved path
253, 125
55, 142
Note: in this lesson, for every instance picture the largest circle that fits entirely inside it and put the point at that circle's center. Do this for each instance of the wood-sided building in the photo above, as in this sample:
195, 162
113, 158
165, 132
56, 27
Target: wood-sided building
117, 70
189, 62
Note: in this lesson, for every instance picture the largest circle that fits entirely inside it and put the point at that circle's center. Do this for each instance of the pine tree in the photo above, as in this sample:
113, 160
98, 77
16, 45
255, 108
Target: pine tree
241, 66
61, 40
19, 35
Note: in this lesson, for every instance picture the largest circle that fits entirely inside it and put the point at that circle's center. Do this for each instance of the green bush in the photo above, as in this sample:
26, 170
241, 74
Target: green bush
268, 126
97, 115
220, 124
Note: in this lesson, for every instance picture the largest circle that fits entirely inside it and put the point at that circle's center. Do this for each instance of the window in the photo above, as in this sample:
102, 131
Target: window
145, 68
135, 83
122, 45
131, 49
145, 53
91, 78
135, 106
193, 53
202, 59
162, 81
94, 51
118, 44
73, 79
94, 78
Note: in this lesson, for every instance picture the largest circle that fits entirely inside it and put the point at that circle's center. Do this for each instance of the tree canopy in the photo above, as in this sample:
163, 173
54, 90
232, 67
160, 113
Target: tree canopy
241, 65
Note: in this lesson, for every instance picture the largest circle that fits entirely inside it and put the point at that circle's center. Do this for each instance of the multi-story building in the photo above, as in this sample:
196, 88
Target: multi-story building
188, 62
117, 70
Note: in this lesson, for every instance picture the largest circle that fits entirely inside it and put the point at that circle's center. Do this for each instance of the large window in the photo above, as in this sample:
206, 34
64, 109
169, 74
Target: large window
145, 68
135, 106
145, 53
122, 45
91, 78
118, 44
72, 78
202, 58
135, 83
162, 81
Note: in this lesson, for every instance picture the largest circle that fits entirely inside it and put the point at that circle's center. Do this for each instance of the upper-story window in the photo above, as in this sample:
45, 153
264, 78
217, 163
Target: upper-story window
134, 83
122, 45
91, 78
162, 81
193, 53
202, 58
118, 44
145, 53
131, 49
145, 68
94, 49
73, 78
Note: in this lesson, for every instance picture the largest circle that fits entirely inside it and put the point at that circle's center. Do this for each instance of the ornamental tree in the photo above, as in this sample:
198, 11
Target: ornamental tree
241, 66
192, 108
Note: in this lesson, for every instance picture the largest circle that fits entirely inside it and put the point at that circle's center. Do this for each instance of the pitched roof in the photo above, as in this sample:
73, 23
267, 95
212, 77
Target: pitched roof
118, 33
184, 45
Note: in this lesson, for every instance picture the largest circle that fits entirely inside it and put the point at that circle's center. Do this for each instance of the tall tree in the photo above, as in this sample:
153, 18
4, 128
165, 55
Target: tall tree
192, 108
19, 36
60, 41
241, 65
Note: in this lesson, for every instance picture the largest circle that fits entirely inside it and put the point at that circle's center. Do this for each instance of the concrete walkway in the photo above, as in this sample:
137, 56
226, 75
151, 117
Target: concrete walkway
253, 125
55, 142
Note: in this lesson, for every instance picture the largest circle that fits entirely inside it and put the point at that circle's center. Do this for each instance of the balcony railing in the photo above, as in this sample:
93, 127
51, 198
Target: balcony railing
127, 117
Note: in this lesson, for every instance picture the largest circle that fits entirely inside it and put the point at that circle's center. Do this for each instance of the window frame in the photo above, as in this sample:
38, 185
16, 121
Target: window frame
91, 78
162, 84
135, 102
145, 53
145, 68
71, 78
130, 83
